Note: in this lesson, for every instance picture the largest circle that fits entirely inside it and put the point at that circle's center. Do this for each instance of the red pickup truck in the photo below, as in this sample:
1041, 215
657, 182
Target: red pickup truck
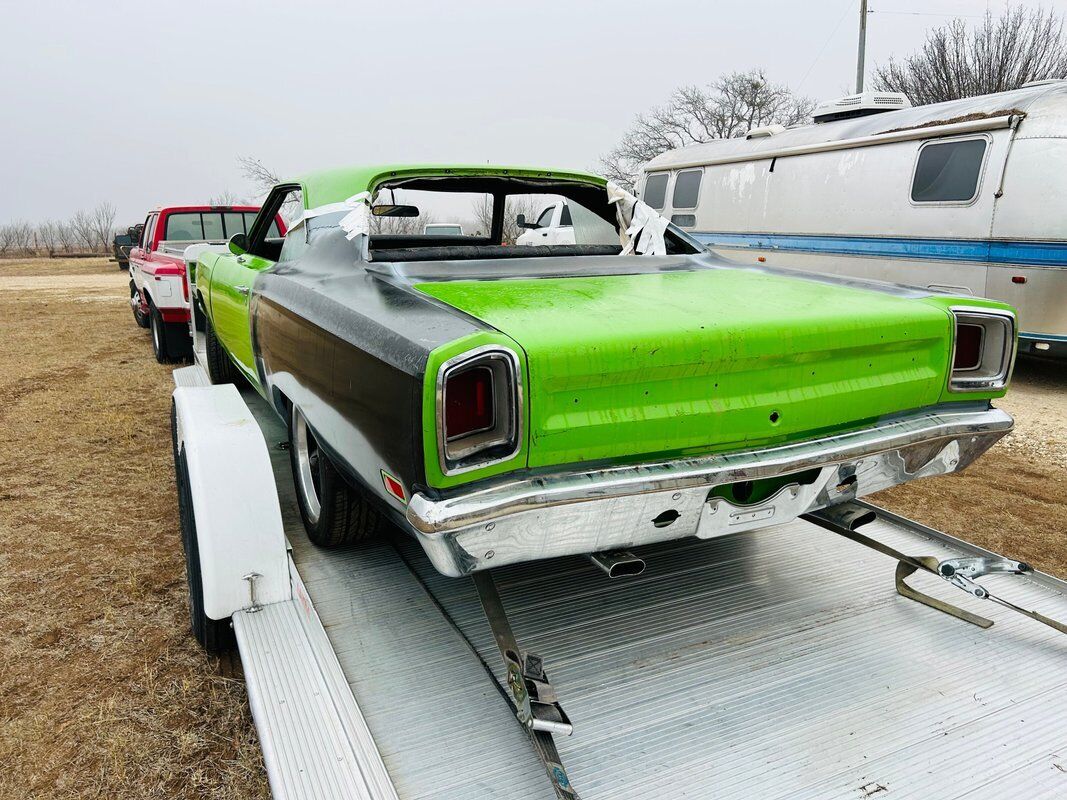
159, 266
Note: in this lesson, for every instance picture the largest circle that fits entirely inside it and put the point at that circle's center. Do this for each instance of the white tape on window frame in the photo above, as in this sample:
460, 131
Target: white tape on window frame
641, 228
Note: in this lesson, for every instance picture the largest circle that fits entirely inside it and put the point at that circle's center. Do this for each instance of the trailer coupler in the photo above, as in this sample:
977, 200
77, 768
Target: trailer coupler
962, 573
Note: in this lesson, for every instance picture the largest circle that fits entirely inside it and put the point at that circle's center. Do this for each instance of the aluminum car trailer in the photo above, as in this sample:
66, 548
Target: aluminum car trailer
776, 663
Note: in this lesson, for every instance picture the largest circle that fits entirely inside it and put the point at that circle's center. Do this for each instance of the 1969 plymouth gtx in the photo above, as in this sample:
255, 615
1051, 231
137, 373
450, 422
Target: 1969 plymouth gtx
509, 403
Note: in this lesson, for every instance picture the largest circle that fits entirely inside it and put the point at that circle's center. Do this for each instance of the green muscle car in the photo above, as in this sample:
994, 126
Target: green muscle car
506, 403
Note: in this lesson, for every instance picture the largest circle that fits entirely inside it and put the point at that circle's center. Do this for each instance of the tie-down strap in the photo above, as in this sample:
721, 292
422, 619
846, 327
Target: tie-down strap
533, 696
845, 518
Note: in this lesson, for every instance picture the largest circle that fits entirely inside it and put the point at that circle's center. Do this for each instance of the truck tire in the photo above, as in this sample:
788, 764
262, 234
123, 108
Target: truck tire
219, 368
159, 335
334, 512
139, 318
214, 635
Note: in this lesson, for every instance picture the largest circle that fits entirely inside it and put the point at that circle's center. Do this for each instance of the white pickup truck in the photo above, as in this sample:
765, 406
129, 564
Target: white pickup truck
553, 226
171, 241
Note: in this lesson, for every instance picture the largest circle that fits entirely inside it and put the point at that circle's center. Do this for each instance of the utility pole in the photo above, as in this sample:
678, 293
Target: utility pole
863, 46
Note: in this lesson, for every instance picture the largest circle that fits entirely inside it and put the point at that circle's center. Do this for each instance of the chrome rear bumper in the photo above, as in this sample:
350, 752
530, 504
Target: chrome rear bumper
626, 506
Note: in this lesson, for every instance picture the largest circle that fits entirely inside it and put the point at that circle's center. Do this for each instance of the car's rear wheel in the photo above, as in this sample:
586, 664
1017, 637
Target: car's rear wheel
219, 367
334, 512
139, 316
214, 635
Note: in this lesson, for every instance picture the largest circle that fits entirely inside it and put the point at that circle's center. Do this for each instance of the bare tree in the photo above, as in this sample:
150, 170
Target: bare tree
1000, 54
400, 226
20, 237
7, 238
483, 213
83, 229
529, 205
103, 224
226, 198
258, 174
729, 107
68, 238
51, 235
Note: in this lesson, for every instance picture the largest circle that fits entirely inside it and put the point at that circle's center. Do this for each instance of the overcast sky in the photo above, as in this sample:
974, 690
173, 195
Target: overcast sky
149, 103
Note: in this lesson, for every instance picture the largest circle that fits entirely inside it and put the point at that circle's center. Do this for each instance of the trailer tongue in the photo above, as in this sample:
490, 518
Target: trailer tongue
766, 664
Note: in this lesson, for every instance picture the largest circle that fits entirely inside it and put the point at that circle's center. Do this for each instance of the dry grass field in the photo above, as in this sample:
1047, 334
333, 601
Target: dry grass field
103, 693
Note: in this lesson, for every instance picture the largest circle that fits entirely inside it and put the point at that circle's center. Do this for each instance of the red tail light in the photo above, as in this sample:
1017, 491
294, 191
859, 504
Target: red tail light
968, 347
479, 412
469, 402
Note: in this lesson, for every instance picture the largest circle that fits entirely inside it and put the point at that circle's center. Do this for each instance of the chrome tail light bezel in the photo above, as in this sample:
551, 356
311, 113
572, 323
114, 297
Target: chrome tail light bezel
503, 441
997, 350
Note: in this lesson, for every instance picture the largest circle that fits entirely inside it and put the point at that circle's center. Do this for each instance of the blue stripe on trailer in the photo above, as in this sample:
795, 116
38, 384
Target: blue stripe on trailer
1043, 337
1042, 254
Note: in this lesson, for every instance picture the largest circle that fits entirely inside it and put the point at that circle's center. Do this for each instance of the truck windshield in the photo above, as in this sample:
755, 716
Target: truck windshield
195, 226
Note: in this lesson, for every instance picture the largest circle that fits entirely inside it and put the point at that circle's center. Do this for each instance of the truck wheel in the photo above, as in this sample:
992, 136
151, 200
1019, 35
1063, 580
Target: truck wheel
214, 635
159, 335
139, 317
219, 368
334, 513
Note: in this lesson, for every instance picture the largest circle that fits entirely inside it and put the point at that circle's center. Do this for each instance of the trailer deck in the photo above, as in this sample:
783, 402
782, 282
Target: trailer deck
780, 663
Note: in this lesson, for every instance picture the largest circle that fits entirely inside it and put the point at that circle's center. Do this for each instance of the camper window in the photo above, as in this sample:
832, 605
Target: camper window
655, 193
687, 188
948, 172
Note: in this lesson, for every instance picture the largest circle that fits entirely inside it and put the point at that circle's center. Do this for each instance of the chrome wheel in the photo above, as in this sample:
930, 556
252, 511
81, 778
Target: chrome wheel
157, 335
307, 453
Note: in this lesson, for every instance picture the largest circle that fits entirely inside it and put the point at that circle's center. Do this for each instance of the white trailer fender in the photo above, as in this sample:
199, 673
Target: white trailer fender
235, 501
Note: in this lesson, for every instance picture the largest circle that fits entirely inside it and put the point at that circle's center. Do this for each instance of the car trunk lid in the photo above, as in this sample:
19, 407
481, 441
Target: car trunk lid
637, 366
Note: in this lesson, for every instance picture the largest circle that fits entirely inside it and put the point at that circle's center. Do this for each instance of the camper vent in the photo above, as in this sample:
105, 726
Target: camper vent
860, 105
764, 131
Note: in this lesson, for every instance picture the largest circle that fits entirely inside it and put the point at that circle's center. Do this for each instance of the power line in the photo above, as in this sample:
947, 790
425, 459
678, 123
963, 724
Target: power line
848, 5
925, 14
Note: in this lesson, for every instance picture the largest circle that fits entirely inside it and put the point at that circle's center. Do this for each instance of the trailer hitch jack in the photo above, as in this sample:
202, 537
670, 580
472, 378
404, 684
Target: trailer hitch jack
962, 573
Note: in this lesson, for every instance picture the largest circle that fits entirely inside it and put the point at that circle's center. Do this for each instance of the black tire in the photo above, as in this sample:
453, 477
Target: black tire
344, 515
141, 319
159, 335
219, 367
214, 635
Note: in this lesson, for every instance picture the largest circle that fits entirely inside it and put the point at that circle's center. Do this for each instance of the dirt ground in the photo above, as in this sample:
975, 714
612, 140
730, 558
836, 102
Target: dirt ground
103, 693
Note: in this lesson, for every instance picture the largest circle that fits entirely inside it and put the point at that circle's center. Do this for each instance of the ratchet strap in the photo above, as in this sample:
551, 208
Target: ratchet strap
844, 519
532, 696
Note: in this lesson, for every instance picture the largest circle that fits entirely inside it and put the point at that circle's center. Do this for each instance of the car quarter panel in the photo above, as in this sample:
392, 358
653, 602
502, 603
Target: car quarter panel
350, 349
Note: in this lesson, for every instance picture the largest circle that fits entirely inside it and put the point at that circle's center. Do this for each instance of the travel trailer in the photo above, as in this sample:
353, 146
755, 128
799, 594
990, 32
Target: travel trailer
966, 196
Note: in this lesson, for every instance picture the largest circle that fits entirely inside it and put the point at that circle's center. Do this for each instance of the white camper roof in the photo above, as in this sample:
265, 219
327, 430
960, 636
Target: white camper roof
1031, 100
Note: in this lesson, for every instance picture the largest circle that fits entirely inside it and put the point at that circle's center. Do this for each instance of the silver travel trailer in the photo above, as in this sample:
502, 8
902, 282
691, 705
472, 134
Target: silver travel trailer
966, 196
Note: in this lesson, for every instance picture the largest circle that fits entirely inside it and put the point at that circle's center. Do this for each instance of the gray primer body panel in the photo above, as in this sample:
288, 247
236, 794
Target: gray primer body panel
350, 349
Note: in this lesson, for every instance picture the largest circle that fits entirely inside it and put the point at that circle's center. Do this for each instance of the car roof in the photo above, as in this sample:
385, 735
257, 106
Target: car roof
337, 185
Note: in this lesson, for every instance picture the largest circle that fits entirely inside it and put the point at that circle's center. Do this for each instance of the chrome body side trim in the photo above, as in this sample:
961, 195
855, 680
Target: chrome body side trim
623, 506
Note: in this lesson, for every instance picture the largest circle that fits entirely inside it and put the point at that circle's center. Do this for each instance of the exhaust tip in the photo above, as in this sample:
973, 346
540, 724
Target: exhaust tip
618, 563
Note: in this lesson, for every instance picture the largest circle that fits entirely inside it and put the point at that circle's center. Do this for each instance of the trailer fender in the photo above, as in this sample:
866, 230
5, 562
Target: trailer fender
235, 501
